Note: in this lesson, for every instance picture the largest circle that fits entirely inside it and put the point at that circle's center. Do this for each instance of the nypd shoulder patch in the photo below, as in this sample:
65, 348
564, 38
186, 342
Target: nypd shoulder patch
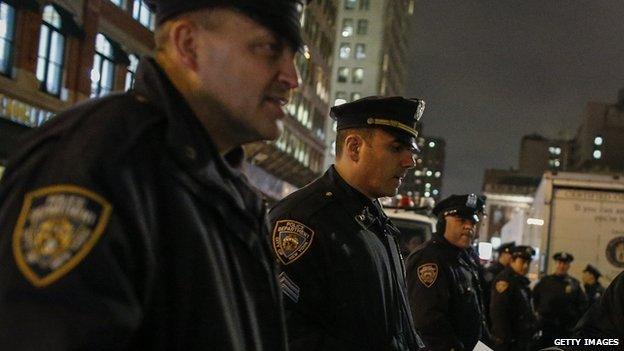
56, 229
428, 273
501, 286
291, 239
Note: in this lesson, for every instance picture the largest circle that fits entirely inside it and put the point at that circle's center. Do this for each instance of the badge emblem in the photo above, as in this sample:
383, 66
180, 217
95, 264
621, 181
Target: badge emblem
615, 251
568, 289
501, 286
291, 240
56, 229
471, 202
428, 273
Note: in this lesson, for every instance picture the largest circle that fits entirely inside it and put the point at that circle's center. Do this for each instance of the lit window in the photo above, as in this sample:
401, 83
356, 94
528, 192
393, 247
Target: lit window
341, 98
347, 27
598, 141
334, 126
142, 13
355, 96
343, 74
51, 50
551, 150
360, 51
358, 75
427, 185
418, 173
7, 29
429, 173
435, 192
131, 71
557, 163
345, 50
118, 3
431, 144
557, 151
437, 174
362, 27
364, 4
427, 194
350, 4
103, 72
333, 148
597, 154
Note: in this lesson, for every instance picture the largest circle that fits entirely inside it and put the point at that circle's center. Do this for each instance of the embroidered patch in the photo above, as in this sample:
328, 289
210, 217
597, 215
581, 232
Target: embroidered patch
568, 289
428, 273
291, 240
56, 229
289, 288
501, 286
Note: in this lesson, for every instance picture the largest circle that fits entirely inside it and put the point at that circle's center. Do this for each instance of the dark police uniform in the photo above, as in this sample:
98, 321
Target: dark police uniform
490, 272
594, 291
342, 273
511, 310
559, 302
605, 319
124, 229
443, 284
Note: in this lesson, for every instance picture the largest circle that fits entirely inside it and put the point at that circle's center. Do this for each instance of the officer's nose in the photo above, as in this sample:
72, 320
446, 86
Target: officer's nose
409, 159
288, 76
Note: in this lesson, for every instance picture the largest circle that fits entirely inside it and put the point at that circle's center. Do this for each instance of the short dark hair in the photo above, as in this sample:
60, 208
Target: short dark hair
341, 136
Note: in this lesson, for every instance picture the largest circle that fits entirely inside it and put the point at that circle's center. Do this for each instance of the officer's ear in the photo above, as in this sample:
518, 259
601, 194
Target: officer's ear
353, 144
183, 40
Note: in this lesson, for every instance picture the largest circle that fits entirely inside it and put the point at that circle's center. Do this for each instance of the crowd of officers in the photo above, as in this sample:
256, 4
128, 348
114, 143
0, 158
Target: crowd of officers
127, 222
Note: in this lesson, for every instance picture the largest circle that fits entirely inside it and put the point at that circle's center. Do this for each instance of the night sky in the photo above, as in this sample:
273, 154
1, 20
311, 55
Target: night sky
492, 71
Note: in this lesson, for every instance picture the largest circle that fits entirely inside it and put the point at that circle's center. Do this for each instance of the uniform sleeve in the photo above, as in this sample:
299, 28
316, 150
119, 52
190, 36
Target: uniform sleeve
71, 277
500, 312
428, 288
299, 249
581, 302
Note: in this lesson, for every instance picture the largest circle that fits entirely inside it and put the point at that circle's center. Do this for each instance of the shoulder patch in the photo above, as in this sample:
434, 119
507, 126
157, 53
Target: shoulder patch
501, 286
56, 229
428, 273
568, 289
291, 239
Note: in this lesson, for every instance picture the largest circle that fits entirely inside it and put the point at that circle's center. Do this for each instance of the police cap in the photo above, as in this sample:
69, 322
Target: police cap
506, 247
593, 270
563, 257
280, 16
522, 251
468, 206
396, 114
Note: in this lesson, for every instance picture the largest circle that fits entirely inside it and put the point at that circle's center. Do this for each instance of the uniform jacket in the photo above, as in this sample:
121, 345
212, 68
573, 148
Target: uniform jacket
593, 292
445, 296
175, 257
559, 301
511, 312
605, 319
342, 274
490, 272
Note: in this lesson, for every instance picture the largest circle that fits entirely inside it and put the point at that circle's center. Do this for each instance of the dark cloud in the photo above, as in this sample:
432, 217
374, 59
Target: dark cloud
492, 71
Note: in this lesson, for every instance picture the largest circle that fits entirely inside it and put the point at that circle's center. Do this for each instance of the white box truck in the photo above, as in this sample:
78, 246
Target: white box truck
582, 214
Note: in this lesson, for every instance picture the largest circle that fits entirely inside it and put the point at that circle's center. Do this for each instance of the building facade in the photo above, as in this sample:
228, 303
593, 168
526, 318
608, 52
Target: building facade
425, 179
370, 48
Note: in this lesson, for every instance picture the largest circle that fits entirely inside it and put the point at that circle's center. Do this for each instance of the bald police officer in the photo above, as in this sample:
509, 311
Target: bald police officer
511, 311
443, 282
559, 301
342, 274
124, 225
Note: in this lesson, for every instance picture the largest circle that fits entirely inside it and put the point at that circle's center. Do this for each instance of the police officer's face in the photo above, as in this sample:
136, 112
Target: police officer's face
588, 278
520, 265
248, 71
562, 267
383, 163
459, 231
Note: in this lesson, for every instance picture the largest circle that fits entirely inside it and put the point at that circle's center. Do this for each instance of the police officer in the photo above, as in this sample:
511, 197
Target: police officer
491, 271
443, 282
342, 274
605, 319
124, 226
511, 311
559, 301
593, 289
